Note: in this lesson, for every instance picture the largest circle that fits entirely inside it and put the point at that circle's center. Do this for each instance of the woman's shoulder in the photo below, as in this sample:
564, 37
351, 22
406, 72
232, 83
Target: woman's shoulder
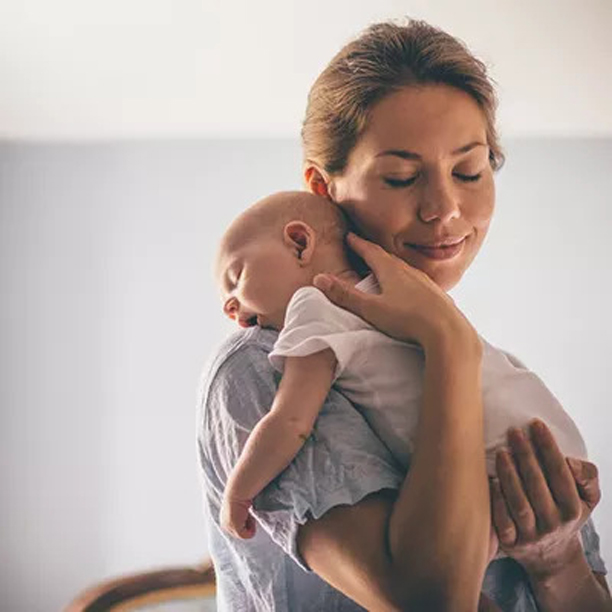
250, 345
237, 376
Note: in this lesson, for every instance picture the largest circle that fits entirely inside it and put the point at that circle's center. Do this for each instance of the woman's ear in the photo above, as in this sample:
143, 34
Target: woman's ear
301, 238
317, 181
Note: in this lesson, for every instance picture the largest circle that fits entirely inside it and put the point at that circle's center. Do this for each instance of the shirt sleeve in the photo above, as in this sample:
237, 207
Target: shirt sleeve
590, 544
342, 461
313, 324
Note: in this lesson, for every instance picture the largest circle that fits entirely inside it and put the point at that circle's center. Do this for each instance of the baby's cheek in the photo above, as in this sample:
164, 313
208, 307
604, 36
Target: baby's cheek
264, 294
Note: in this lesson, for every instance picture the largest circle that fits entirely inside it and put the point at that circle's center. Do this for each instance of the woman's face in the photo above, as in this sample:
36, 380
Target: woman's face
419, 177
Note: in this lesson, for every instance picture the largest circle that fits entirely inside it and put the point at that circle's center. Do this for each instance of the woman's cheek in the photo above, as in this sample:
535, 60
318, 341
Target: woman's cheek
372, 210
372, 213
371, 221
481, 205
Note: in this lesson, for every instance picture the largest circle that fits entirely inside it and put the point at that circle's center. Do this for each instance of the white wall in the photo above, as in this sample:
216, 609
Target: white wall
109, 312
161, 68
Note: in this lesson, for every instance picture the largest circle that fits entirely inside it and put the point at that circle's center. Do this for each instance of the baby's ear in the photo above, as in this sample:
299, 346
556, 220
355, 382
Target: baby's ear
300, 238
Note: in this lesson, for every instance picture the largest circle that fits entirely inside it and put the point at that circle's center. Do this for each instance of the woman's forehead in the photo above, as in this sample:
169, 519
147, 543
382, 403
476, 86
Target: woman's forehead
430, 120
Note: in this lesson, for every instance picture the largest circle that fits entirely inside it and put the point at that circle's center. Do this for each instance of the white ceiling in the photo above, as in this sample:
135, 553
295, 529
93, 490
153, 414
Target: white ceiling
85, 69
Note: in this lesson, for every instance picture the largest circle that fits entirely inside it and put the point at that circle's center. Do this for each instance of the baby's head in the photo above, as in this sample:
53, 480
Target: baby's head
272, 249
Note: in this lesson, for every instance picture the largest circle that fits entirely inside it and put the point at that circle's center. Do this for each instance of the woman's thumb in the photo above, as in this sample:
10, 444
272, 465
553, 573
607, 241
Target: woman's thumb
587, 480
340, 293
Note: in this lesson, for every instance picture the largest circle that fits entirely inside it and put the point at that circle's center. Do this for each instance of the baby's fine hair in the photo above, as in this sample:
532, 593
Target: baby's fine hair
268, 217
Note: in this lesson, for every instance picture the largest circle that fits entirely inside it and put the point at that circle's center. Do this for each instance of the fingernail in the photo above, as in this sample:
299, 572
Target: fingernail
517, 433
503, 454
321, 281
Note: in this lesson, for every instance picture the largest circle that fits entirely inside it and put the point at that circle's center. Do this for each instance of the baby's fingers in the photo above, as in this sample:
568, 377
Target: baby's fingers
243, 528
249, 528
236, 520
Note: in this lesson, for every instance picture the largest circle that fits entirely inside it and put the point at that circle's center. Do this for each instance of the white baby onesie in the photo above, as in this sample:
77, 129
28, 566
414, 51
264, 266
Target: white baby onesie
383, 378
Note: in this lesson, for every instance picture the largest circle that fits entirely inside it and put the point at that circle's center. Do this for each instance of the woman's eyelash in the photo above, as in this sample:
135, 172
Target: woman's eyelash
400, 182
468, 178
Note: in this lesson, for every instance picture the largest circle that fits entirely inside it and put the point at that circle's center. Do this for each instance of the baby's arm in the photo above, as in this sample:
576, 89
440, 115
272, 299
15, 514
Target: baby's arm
278, 437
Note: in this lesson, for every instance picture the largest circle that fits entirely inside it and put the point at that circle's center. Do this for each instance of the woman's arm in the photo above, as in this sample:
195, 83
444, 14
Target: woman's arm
426, 549
411, 551
573, 587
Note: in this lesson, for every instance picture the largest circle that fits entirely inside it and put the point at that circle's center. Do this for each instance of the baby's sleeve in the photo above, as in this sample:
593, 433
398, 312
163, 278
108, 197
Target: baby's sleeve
313, 324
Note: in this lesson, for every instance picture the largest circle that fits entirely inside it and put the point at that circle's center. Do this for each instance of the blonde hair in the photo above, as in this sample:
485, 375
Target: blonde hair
383, 59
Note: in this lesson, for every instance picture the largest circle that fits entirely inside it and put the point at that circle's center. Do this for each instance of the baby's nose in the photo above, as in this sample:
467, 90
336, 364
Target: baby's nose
230, 308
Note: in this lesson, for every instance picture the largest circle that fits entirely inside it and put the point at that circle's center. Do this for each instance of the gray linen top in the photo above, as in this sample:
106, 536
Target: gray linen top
342, 462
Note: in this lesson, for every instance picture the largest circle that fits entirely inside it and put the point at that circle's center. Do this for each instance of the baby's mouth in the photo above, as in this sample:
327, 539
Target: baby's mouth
250, 322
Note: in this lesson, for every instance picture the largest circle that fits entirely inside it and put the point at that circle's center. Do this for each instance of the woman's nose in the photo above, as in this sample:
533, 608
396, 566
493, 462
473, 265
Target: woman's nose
439, 200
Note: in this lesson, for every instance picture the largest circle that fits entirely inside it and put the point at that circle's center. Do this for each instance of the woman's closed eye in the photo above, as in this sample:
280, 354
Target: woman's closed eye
468, 178
396, 182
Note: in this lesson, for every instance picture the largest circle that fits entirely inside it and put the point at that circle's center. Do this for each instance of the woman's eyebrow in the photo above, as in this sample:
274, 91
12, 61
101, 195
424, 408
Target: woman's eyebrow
404, 154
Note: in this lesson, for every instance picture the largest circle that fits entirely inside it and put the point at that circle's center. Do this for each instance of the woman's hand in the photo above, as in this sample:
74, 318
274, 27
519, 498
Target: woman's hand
410, 307
539, 500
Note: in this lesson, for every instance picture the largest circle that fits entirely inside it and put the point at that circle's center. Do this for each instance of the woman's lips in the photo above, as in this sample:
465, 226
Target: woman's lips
438, 253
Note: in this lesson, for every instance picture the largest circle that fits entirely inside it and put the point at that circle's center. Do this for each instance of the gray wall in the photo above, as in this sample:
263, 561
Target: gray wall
109, 313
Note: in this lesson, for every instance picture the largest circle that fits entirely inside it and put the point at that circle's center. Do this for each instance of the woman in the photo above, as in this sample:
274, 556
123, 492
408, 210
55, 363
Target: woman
400, 133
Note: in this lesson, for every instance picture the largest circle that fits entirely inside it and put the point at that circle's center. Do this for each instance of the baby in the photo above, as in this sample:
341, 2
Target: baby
266, 264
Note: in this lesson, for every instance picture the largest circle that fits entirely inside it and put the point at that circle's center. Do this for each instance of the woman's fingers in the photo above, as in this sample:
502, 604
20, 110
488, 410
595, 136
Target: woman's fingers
586, 476
519, 508
504, 525
343, 294
541, 500
373, 254
560, 479
534, 484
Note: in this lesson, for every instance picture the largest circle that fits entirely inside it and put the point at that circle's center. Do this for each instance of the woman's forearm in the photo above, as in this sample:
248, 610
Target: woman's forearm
443, 510
571, 587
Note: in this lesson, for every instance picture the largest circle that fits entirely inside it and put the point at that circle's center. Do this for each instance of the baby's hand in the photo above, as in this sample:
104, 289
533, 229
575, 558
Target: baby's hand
236, 519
